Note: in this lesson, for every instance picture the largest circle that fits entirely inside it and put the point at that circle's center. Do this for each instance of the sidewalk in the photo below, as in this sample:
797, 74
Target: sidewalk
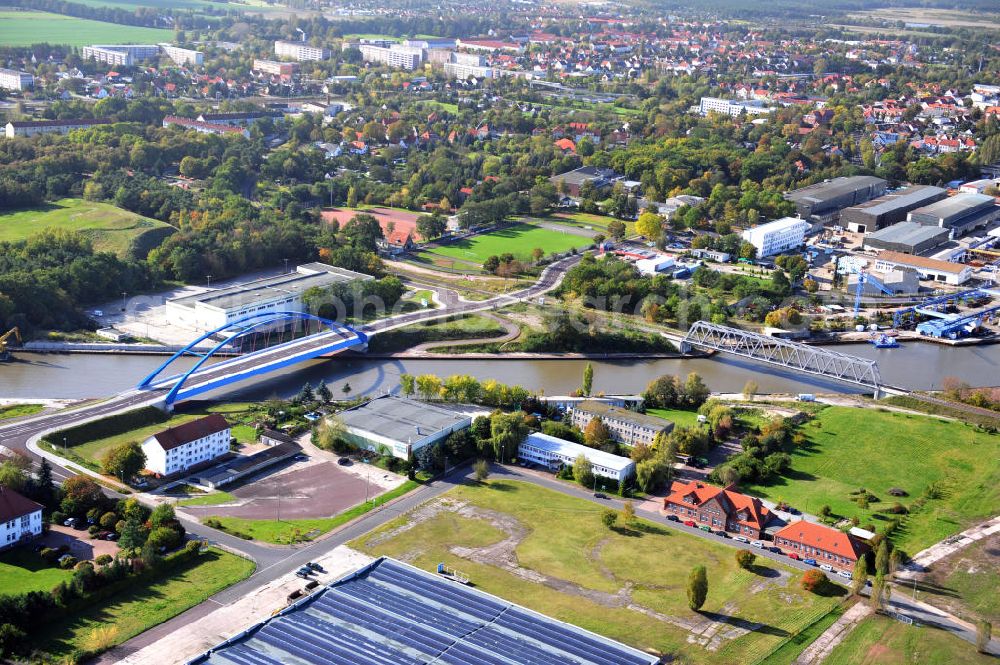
924, 559
821, 647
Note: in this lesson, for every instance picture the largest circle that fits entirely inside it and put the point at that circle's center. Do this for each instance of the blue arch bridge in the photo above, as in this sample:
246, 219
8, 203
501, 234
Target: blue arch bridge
266, 343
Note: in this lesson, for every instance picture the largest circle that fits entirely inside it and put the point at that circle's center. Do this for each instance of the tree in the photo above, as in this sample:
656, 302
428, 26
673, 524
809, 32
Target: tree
45, 489
596, 434
745, 559
482, 470
323, 392
162, 515
649, 225
616, 229
352, 197
750, 390
880, 593
984, 633
12, 476
588, 380
507, 431
133, 535
346, 389
695, 390
80, 494
407, 384
813, 581
306, 395
609, 517
583, 471
329, 433
697, 587
125, 461
859, 576
628, 512
882, 558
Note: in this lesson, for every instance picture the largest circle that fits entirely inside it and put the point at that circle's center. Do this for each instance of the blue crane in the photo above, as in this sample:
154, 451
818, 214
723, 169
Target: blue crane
863, 279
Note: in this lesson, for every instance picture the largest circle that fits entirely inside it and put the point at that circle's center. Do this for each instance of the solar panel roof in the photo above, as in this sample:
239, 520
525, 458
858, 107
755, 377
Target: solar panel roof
391, 613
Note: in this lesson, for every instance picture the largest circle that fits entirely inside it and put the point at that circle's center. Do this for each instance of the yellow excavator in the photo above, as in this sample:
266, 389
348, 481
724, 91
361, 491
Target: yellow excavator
4, 351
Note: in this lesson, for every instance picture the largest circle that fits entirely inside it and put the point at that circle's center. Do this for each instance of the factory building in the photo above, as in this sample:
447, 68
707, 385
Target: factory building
889, 209
907, 237
959, 214
823, 201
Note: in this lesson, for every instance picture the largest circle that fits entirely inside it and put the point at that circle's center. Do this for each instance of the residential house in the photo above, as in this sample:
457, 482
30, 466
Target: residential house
183, 447
20, 518
626, 427
823, 543
721, 508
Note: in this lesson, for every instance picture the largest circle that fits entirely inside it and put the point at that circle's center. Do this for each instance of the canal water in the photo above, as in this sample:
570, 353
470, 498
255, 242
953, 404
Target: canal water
914, 365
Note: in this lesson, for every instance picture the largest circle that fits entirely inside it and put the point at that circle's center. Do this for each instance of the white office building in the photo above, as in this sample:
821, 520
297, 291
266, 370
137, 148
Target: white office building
20, 518
180, 448
300, 51
11, 79
183, 56
734, 107
553, 453
778, 236
402, 57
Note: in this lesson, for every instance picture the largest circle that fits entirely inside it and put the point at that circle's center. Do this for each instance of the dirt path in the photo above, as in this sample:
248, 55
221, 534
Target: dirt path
512, 331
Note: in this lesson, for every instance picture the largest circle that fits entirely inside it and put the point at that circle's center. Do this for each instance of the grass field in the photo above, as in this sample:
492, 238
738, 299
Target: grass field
284, 532
209, 499
137, 610
176, 4
110, 229
22, 570
850, 448
519, 240
793, 647
965, 582
19, 28
679, 417
550, 552
19, 410
879, 640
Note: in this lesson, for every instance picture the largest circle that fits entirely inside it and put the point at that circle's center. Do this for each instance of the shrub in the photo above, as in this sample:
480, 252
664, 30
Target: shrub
745, 559
85, 565
93, 530
108, 520
58, 517
104, 559
49, 556
813, 581
897, 491
609, 517
68, 562
897, 509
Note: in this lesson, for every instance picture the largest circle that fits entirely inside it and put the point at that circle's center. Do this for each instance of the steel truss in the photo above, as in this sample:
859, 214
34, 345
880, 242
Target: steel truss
784, 353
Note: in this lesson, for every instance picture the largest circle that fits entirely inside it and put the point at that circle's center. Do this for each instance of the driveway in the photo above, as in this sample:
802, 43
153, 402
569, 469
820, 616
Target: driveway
79, 543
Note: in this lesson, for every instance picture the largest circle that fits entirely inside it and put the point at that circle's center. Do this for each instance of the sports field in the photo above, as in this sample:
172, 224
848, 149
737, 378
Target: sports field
551, 552
519, 240
110, 229
402, 220
19, 28
851, 448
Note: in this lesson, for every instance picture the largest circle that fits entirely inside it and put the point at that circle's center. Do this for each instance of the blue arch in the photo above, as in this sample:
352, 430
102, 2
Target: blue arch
248, 325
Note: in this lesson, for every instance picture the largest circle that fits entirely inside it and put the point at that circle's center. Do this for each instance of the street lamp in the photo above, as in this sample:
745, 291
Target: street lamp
123, 300
208, 278
286, 266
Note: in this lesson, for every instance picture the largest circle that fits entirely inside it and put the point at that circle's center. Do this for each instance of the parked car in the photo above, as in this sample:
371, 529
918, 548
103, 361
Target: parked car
741, 539
312, 565
600, 495
305, 570
70, 522
301, 458
776, 550
758, 544
689, 523
705, 528
811, 562
827, 567
793, 555
299, 573
846, 575
721, 534
673, 518
343, 461
111, 536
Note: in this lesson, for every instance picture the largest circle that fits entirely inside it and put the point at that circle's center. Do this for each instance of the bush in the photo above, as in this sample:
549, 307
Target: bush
49, 556
897, 509
68, 562
813, 581
609, 517
104, 559
58, 517
110, 426
108, 520
745, 559
93, 530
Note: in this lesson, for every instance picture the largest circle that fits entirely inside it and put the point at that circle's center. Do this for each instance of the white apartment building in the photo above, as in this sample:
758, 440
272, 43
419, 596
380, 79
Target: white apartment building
32, 127
275, 67
733, 107
20, 518
402, 57
177, 449
300, 51
124, 55
183, 56
778, 236
626, 427
554, 452
11, 79
462, 71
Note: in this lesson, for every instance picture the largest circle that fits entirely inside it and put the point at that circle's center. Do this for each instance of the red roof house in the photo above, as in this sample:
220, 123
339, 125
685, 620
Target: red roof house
721, 508
823, 543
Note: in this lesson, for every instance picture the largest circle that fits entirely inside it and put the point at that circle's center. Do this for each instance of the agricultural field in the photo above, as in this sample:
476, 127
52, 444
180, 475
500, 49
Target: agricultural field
851, 448
880, 640
245, 5
926, 16
552, 553
519, 240
110, 229
19, 28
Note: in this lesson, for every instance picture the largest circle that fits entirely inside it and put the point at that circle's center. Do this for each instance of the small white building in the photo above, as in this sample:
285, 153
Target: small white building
20, 518
400, 426
177, 449
946, 272
778, 236
554, 453
655, 265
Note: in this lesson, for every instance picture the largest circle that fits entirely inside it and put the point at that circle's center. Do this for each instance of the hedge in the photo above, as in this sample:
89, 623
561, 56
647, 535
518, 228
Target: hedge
105, 427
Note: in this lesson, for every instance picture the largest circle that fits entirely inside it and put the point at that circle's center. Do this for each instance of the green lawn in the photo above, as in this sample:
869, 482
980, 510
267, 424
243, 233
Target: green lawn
879, 640
22, 570
285, 532
209, 499
19, 410
594, 573
137, 610
519, 240
793, 647
444, 106
849, 448
110, 229
18, 28
680, 417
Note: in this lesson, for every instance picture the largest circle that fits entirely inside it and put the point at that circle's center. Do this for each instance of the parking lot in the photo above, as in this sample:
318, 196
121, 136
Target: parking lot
78, 541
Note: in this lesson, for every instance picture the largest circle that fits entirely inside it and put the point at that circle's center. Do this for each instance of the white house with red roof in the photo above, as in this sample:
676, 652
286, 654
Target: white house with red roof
180, 448
20, 518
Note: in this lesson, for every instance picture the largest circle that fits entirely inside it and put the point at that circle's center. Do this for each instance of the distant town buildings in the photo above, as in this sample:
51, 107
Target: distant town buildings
276, 68
553, 453
778, 236
124, 55
396, 55
626, 427
203, 127
32, 127
180, 448
300, 51
183, 56
734, 107
11, 79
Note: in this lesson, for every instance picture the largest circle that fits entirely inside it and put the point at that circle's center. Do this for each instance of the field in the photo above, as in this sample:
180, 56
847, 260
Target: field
22, 570
679, 417
851, 448
19, 28
879, 640
253, 5
136, 610
19, 410
550, 552
519, 240
402, 220
965, 583
920, 16
109, 229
